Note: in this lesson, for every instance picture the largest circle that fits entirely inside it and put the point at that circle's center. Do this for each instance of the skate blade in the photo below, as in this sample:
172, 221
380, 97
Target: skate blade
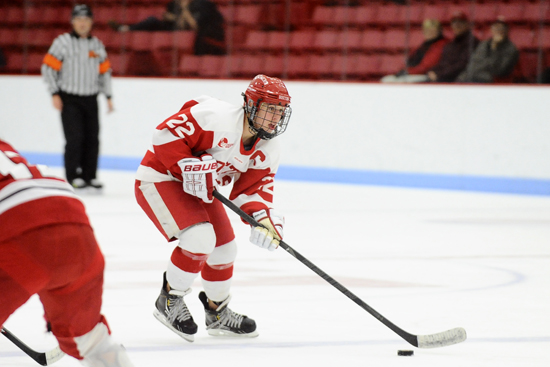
229, 334
189, 337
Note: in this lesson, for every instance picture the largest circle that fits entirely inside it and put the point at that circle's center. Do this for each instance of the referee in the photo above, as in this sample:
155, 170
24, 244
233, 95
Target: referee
76, 69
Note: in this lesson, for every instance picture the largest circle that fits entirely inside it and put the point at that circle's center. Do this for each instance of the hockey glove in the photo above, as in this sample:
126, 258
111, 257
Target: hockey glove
271, 233
199, 176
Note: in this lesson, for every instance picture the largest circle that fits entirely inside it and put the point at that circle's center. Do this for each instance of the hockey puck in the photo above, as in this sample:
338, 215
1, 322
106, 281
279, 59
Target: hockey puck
405, 352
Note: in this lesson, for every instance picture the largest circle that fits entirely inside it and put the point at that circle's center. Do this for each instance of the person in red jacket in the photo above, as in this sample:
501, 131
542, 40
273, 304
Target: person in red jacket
423, 58
47, 247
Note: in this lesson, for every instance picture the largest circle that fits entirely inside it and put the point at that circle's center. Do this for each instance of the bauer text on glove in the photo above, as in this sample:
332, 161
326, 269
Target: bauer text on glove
199, 176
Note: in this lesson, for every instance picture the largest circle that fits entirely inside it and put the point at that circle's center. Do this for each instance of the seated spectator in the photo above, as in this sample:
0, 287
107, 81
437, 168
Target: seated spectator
494, 59
545, 76
425, 57
455, 54
201, 16
3, 61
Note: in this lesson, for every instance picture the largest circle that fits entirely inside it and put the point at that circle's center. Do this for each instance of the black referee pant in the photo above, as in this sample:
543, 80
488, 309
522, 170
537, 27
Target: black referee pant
81, 128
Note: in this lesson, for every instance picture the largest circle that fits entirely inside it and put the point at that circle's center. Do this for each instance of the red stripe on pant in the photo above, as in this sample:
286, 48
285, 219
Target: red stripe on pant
188, 261
217, 273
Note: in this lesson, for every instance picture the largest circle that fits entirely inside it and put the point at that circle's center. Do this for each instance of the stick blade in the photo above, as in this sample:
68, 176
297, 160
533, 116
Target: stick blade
53, 356
443, 339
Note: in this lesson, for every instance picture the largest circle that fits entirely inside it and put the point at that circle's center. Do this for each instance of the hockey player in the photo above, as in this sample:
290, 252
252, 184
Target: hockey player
47, 247
207, 143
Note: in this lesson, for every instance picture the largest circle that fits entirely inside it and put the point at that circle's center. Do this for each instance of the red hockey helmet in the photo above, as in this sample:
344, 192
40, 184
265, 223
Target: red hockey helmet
265, 89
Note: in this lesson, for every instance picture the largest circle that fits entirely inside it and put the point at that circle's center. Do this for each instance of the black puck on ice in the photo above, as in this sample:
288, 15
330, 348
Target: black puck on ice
405, 352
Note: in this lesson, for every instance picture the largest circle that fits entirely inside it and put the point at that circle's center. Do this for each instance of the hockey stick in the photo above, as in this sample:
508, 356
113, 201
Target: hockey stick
437, 340
44, 359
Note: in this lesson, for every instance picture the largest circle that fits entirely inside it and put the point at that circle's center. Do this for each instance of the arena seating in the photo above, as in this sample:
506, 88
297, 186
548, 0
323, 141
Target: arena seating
302, 39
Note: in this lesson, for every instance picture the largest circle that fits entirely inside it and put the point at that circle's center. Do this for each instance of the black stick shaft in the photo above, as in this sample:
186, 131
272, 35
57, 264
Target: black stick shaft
410, 338
40, 358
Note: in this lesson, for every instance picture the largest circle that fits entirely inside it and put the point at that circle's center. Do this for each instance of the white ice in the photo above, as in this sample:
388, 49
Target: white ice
427, 260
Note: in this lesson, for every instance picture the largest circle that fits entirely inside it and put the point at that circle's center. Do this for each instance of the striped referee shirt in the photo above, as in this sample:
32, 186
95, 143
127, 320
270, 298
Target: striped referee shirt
78, 66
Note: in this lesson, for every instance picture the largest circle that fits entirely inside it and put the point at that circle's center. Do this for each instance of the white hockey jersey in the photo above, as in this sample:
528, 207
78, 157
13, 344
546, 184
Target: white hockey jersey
31, 198
208, 125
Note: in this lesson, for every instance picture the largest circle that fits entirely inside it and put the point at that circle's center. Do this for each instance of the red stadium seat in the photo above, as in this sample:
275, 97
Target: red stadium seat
414, 14
247, 65
322, 15
189, 65
162, 41
48, 16
15, 16
387, 14
274, 65
340, 67
325, 41
395, 40
298, 66
248, 15
372, 40
438, 12
140, 40
363, 16
543, 38
255, 41
119, 63
512, 12
274, 15
523, 38
277, 41
41, 41
350, 40
320, 66
391, 64
9, 38
185, 41
528, 66
536, 12
301, 41
364, 66
103, 14
34, 62
213, 67
14, 62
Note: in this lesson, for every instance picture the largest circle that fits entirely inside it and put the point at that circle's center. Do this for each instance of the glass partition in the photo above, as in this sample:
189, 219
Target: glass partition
339, 40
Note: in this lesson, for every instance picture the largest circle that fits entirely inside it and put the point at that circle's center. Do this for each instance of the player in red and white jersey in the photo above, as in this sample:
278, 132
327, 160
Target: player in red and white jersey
208, 143
47, 247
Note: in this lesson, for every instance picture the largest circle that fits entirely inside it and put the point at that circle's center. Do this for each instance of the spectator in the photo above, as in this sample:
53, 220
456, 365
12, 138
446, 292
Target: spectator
201, 16
425, 57
3, 61
545, 76
48, 248
494, 59
455, 54
76, 69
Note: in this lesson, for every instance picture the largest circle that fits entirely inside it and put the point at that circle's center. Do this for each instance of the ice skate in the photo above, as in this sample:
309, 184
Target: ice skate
224, 322
172, 311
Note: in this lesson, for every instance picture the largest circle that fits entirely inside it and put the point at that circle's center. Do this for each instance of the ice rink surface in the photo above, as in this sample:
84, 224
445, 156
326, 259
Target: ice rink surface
427, 260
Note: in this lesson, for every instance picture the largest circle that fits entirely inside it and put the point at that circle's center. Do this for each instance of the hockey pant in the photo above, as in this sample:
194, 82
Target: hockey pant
206, 241
63, 264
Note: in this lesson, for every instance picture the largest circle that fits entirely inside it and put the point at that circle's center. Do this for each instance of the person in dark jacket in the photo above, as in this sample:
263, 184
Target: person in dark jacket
456, 54
494, 59
201, 16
